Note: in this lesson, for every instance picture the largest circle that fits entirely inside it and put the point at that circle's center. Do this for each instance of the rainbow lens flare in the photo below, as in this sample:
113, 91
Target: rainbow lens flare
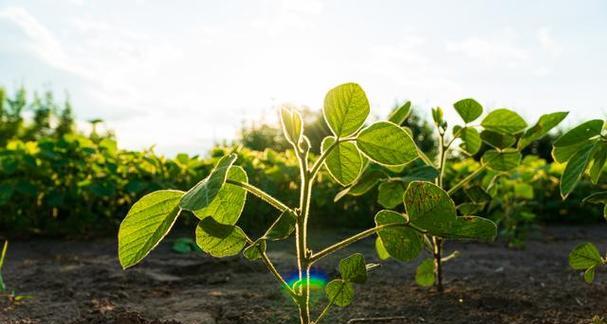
318, 279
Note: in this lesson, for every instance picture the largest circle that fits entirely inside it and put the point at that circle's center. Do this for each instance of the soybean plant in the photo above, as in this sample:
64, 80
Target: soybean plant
218, 200
503, 130
584, 149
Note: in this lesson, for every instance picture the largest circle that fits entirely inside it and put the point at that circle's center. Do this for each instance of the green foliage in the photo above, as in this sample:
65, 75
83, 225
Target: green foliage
401, 243
219, 240
387, 144
148, 222
2, 257
504, 121
340, 292
346, 109
468, 109
424, 274
344, 162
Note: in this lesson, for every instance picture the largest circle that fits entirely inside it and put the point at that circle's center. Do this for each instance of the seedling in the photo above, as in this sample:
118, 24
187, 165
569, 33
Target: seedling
584, 149
218, 201
503, 130
3, 290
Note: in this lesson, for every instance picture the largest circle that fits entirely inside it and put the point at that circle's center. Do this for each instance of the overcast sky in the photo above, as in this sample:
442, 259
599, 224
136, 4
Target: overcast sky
184, 74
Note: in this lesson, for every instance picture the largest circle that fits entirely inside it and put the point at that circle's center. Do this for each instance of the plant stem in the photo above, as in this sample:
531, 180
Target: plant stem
324, 312
438, 266
303, 266
260, 194
467, 179
266, 260
355, 238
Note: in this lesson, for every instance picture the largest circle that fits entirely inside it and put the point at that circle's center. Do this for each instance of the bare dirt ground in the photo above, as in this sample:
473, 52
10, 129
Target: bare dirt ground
82, 282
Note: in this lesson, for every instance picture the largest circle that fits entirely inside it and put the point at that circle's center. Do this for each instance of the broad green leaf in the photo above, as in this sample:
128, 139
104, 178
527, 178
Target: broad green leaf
598, 162
344, 162
504, 121
203, 193
353, 269
469, 109
346, 109
505, 160
387, 144
470, 208
589, 275
585, 256
471, 228
477, 194
400, 114
471, 140
369, 179
146, 224
562, 154
498, 140
390, 194
340, 292
382, 254
229, 201
401, 242
219, 240
282, 227
541, 128
429, 207
575, 170
580, 133
292, 124
254, 251
421, 173
424, 274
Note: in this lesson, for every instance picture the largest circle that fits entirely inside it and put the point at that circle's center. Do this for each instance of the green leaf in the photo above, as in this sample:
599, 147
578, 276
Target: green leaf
468, 109
400, 114
585, 256
146, 224
470, 208
390, 194
504, 121
344, 162
575, 170
387, 144
402, 242
505, 160
580, 133
353, 269
424, 274
563, 154
203, 193
229, 201
346, 109
429, 207
282, 227
477, 194
365, 182
589, 275
471, 228
292, 124
340, 292
498, 140
254, 251
471, 140
541, 128
382, 254
598, 162
598, 198
219, 240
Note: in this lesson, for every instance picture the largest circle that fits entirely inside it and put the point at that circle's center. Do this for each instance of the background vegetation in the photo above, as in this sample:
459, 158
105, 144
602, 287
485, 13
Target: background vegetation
58, 181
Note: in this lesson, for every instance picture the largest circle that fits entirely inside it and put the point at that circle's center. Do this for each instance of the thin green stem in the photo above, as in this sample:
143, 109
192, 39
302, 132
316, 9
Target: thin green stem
266, 260
424, 157
260, 194
355, 238
467, 179
324, 312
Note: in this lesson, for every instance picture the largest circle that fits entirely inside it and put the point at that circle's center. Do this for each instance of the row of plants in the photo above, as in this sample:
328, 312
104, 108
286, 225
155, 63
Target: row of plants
422, 209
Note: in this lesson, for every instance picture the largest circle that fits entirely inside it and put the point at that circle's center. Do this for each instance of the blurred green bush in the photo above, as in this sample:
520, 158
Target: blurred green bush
55, 180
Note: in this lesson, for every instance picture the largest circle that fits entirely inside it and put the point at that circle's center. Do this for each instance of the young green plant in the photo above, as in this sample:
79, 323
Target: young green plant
584, 149
504, 131
218, 201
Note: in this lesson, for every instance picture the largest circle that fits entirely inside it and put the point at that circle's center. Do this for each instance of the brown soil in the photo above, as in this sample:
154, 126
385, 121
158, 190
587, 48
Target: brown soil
81, 282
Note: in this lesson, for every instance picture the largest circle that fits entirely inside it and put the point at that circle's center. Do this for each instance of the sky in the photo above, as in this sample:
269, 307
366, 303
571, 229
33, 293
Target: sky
183, 75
